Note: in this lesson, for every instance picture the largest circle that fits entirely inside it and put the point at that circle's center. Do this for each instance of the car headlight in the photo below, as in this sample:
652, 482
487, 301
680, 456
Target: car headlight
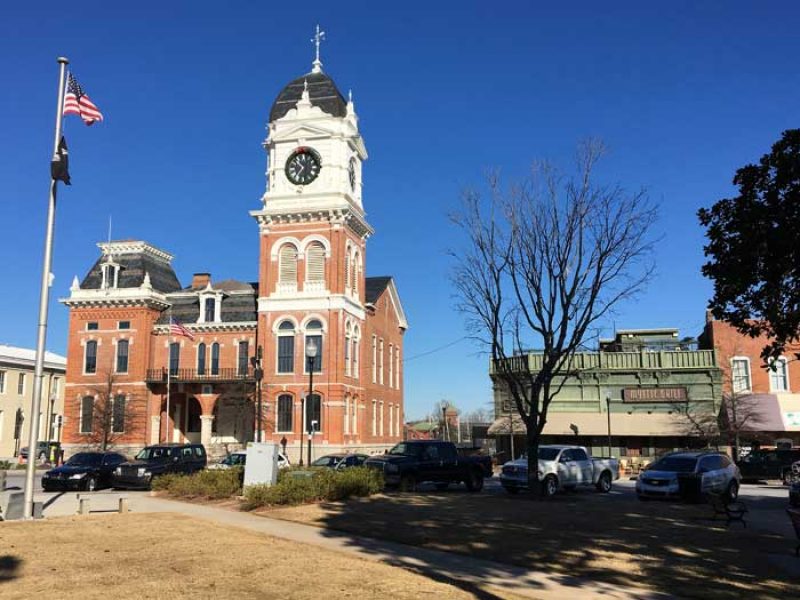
118, 471
142, 472
392, 468
540, 473
78, 476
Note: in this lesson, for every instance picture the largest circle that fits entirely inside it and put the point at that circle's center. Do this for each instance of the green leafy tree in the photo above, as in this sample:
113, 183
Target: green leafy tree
754, 248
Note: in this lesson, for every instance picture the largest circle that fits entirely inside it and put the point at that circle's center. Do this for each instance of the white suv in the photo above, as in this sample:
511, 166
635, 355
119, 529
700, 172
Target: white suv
717, 474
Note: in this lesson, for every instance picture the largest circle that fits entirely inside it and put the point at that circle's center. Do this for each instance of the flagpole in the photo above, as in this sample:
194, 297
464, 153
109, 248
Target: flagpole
44, 299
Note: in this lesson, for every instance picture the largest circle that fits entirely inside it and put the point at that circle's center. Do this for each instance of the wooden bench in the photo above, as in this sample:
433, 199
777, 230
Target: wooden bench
794, 515
733, 510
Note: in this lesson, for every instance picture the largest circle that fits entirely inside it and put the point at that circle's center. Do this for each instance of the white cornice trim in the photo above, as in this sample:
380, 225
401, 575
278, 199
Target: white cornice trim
133, 247
202, 327
116, 297
320, 303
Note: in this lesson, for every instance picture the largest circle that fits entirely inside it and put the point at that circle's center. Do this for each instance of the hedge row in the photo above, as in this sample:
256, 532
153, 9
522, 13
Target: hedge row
211, 484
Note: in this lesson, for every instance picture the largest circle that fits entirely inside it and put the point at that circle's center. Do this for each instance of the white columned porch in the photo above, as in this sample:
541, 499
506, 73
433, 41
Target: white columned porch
206, 425
155, 429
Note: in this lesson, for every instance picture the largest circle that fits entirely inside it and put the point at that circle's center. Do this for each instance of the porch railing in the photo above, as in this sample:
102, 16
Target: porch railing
192, 375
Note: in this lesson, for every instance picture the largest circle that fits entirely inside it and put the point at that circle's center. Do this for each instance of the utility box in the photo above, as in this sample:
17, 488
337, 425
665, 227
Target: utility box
262, 464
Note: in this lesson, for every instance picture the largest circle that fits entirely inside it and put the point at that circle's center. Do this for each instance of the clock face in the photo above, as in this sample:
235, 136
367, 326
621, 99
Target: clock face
303, 166
351, 173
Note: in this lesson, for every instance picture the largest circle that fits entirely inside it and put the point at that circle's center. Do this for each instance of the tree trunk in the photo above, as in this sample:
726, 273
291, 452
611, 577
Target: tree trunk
532, 448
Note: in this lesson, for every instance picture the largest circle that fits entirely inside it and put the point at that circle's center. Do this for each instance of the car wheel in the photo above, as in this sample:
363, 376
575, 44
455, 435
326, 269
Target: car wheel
733, 491
408, 483
604, 483
91, 484
549, 486
474, 481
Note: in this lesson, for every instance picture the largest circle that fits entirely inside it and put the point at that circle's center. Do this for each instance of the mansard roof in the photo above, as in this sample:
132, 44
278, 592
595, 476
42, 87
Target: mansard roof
135, 258
237, 307
322, 92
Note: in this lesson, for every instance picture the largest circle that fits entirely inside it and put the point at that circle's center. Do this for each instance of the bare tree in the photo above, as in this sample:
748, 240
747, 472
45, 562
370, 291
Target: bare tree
543, 264
697, 422
113, 414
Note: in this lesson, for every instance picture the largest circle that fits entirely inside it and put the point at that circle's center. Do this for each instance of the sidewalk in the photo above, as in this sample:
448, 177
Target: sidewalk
438, 565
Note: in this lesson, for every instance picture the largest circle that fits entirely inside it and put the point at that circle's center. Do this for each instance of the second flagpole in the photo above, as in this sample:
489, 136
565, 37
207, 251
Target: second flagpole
44, 299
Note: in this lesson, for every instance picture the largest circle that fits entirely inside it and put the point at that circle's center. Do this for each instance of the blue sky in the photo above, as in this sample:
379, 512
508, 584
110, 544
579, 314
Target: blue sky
683, 94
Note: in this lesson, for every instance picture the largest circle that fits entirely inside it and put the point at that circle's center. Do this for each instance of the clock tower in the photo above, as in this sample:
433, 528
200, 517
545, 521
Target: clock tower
312, 287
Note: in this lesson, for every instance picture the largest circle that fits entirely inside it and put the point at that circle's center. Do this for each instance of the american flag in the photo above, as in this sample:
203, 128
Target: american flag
77, 102
175, 328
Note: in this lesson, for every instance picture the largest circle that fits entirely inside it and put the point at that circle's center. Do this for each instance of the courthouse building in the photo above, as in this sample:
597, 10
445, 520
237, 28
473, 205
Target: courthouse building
651, 390
311, 290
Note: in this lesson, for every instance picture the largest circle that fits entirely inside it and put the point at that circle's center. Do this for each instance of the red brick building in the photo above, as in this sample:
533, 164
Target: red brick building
768, 398
311, 288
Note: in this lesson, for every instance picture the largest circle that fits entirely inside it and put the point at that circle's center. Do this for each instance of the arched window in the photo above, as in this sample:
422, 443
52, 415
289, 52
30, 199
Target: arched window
314, 333
201, 359
315, 262
287, 265
215, 358
347, 270
313, 412
87, 414
356, 273
174, 358
347, 338
286, 347
285, 412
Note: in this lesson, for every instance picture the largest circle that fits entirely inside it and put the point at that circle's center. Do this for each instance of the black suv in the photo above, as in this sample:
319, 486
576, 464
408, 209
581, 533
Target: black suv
769, 464
153, 461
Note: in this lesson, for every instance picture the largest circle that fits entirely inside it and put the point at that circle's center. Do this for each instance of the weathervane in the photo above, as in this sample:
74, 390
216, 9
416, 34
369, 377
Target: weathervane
316, 40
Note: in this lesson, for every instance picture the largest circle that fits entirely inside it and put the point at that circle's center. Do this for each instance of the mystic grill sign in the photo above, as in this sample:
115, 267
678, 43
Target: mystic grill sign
656, 394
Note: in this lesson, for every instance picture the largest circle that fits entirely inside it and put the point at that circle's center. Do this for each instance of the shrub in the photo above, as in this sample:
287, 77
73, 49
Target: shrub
5, 465
213, 484
323, 484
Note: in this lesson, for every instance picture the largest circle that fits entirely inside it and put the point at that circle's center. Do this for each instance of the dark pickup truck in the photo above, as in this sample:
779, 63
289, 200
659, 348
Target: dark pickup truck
769, 464
411, 463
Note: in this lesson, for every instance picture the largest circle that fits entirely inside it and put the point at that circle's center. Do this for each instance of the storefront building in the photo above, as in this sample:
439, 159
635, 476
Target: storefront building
648, 390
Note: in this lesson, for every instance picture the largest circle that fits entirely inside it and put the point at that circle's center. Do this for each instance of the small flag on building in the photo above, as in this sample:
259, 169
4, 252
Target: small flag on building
175, 328
76, 102
59, 166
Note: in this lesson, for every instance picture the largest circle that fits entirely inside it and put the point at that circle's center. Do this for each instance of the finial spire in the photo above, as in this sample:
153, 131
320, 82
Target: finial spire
316, 66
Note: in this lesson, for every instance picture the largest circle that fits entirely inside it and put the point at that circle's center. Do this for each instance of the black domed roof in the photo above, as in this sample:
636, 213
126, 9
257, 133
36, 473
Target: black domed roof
321, 90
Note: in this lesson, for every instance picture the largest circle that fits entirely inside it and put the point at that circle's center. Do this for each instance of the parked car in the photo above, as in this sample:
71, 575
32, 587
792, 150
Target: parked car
413, 462
715, 471
239, 459
154, 461
769, 464
561, 467
83, 471
794, 492
340, 461
42, 451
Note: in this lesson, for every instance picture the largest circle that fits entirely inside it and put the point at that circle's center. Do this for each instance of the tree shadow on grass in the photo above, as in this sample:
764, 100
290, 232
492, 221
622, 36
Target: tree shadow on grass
9, 567
610, 541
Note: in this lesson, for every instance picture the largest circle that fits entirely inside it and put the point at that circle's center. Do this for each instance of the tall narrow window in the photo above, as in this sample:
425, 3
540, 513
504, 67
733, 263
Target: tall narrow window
87, 414
347, 271
347, 415
391, 365
380, 361
174, 357
315, 262
21, 384
314, 333
354, 359
285, 412
356, 273
54, 389
286, 347
313, 412
347, 371
118, 414
374, 417
287, 265
90, 362
244, 349
740, 375
397, 368
215, 358
210, 306
391, 424
355, 416
778, 376
374, 359
201, 359
122, 356
381, 419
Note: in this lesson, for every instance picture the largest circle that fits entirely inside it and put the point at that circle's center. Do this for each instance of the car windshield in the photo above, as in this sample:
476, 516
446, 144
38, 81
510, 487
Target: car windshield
327, 461
675, 464
403, 449
233, 459
84, 459
548, 453
155, 453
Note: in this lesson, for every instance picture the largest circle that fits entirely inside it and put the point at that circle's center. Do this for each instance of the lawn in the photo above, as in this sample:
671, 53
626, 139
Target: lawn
173, 556
666, 547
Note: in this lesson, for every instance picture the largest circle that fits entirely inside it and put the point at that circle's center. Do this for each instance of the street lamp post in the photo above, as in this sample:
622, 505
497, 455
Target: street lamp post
258, 374
311, 354
608, 414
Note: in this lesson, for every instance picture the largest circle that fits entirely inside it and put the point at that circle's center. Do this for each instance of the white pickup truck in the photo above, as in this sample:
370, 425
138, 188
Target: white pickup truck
561, 467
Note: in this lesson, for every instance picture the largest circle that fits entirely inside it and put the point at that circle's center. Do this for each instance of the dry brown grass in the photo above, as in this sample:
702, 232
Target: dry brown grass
173, 556
669, 548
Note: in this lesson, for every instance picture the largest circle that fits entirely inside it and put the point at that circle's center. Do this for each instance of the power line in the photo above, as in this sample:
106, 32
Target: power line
439, 349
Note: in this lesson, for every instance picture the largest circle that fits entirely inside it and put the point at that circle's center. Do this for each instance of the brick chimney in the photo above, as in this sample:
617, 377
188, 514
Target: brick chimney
200, 280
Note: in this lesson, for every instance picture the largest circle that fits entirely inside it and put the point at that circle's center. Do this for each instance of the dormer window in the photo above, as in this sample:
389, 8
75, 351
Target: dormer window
210, 301
209, 308
110, 272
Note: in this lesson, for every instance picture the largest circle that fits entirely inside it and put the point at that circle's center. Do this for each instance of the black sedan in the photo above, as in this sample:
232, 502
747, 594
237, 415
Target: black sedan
83, 471
340, 461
